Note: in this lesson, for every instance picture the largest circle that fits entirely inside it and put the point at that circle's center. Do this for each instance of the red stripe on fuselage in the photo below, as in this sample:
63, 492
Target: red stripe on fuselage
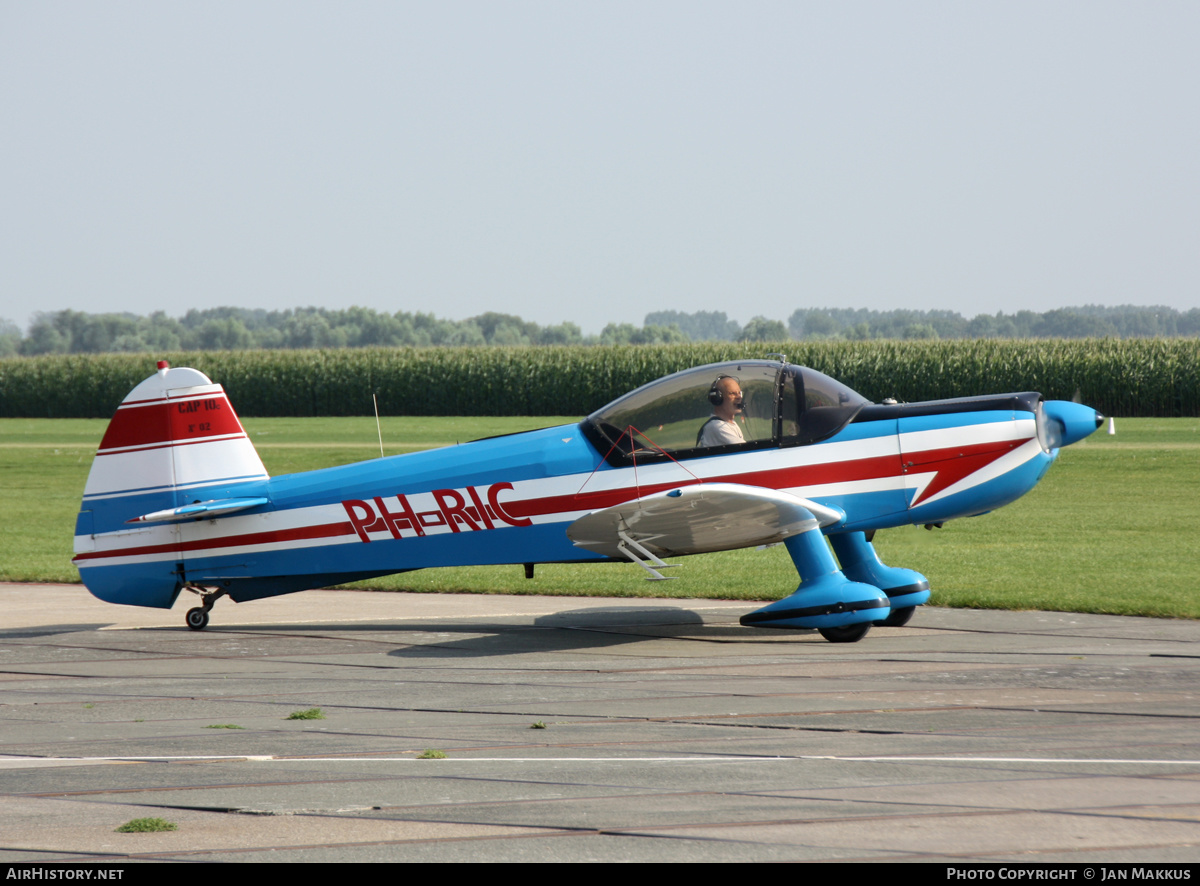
954, 462
188, 419
778, 478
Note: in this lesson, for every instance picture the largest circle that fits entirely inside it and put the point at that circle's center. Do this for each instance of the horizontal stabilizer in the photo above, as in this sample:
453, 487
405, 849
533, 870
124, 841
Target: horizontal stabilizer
701, 518
201, 510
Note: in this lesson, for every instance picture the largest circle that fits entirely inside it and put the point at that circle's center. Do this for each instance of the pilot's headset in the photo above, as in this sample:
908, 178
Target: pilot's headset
716, 396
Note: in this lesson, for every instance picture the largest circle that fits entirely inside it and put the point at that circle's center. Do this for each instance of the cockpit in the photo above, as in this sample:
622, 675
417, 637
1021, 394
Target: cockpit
781, 405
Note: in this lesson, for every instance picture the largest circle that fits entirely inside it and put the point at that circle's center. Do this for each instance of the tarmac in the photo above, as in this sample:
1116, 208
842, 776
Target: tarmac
589, 730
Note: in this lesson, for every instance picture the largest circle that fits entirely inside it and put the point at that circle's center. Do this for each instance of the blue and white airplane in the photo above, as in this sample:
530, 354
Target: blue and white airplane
724, 456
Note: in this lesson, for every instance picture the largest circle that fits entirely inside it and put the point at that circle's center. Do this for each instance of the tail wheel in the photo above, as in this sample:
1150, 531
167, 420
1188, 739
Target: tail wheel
846, 633
197, 619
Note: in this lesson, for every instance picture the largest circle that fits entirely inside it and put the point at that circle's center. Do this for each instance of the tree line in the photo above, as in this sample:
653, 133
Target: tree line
860, 324
232, 328
238, 329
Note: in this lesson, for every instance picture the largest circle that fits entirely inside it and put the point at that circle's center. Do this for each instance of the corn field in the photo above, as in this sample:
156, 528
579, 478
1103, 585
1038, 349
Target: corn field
1121, 377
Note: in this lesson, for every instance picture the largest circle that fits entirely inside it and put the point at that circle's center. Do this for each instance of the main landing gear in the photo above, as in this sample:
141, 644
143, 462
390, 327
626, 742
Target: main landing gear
197, 618
842, 603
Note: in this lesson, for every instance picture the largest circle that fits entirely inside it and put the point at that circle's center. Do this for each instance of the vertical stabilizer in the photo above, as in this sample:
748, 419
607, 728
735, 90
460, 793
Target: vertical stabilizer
174, 440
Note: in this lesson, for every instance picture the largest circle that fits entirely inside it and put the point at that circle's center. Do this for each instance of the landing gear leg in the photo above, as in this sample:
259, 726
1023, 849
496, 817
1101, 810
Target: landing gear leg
197, 618
906, 589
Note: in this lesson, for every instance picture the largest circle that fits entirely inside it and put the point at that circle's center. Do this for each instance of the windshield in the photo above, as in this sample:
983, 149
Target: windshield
669, 414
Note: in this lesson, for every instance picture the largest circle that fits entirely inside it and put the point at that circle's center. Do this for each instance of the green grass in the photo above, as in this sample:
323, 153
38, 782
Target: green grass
224, 726
310, 714
1109, 529
431, 754
146, 826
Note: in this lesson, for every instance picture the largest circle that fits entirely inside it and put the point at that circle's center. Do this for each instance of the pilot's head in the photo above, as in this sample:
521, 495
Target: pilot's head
726, 396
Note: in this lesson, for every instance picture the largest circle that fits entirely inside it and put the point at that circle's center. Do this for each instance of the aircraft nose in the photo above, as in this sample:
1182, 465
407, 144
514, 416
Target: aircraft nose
1073, 421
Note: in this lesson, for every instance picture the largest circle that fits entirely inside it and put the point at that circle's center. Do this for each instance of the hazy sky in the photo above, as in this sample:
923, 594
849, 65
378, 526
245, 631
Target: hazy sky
595, 161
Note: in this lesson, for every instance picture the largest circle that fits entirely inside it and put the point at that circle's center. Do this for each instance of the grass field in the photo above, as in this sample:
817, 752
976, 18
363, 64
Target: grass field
1112, 528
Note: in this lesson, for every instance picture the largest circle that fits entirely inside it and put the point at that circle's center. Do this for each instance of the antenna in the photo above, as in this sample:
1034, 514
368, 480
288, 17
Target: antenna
378, 429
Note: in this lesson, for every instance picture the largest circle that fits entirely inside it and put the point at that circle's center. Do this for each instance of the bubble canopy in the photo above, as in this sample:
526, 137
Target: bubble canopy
784, 405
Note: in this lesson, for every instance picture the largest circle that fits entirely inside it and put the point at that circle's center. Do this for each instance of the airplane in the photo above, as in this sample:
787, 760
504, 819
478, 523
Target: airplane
178, 499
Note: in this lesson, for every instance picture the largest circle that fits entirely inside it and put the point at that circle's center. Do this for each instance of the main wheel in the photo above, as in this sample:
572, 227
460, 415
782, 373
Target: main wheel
846, 633
197, 619
899, 617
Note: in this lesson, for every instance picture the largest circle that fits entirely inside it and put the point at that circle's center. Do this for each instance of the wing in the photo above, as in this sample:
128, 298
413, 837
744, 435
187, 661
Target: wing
701, 518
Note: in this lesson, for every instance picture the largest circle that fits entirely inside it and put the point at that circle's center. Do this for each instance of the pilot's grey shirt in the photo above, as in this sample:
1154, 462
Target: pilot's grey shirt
718, 432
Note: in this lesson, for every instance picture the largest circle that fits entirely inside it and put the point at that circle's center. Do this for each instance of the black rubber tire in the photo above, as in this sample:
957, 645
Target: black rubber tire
197, 619
846, 633
899, 617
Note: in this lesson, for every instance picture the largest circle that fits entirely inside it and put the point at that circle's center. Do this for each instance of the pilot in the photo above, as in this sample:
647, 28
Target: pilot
725, 395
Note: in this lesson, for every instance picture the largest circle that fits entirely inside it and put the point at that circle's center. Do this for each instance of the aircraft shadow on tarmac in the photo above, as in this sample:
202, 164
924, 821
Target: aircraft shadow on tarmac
590, 628
558, 632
